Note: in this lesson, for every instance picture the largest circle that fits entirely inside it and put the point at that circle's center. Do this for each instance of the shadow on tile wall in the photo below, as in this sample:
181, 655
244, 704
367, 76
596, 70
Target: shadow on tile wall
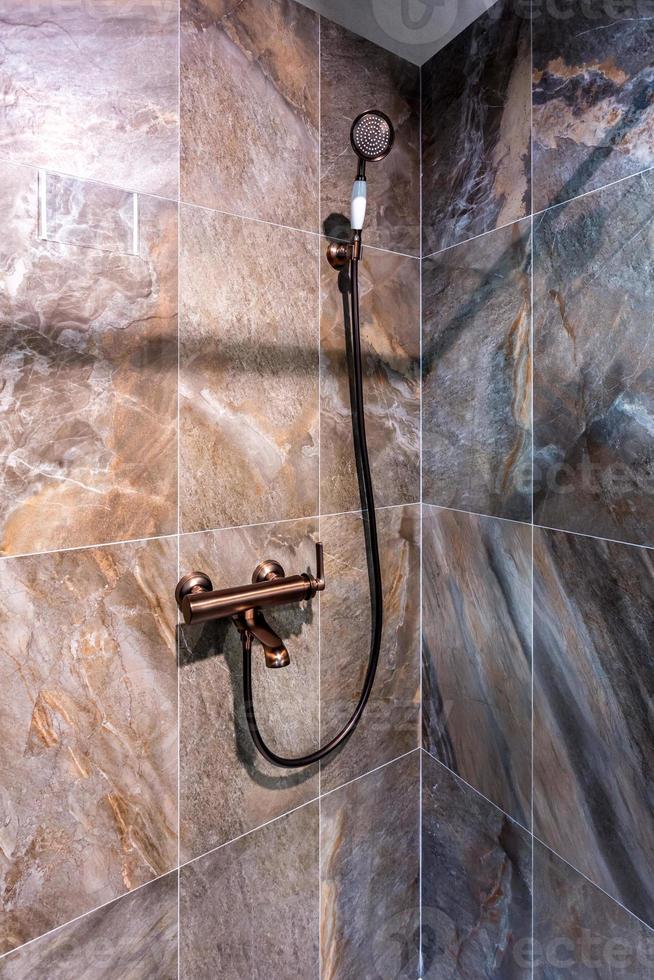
89, 354
390, 327
226, 788
248, 371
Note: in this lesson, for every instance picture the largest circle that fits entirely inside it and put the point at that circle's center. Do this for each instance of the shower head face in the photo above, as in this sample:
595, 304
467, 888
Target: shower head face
372, 135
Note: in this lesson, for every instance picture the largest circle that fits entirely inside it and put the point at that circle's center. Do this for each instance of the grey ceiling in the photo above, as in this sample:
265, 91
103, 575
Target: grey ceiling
414, 29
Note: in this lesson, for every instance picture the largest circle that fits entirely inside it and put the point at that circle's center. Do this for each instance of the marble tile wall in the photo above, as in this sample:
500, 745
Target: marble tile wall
389, 726
369, 874
476, 139
476, 685
89, 360
356, 75
197, 148
593, 119
89, 730
251, 909
575, 507
133, 938
476, 883
477, 371
91, 90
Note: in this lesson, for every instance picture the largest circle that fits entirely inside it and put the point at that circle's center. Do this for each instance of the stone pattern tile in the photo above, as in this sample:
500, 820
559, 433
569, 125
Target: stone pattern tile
89, 358
226, 787
580, 932
249, 109
88, 725
390, 724
476, 884
369, 835
134, 938
91, 90
593, 117
477, 375
593, 688
476, 684
476, 102
356, 75
248, 372
250, 909
593, 348
389, 288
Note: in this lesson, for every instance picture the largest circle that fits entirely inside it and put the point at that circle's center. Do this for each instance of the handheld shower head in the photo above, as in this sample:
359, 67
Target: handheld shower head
372, 135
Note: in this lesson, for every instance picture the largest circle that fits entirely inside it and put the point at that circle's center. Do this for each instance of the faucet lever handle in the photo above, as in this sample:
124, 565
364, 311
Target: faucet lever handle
318, 582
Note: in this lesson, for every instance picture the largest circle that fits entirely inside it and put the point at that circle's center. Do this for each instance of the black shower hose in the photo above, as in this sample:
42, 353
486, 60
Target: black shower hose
372, 550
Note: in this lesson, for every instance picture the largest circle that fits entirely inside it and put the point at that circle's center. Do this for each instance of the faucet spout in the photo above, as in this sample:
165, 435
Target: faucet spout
254, 622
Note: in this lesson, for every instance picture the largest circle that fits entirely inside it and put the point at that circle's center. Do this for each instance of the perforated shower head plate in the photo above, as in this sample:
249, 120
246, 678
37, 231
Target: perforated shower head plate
372, 135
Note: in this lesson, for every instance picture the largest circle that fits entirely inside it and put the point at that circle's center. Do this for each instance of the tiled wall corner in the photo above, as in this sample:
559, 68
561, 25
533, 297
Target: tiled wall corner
476, 883
356, 75
476, 395
370, 846
476, 685
476, 140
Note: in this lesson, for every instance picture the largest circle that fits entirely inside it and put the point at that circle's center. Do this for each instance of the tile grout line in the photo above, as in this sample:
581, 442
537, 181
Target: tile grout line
208, 530
465, 782
539, 527
538, 214
178, 651
534, 837
420, 489
593, 884
182, 202
199, 857
300, 806
84, 915
531, 337
318, 235
319, 300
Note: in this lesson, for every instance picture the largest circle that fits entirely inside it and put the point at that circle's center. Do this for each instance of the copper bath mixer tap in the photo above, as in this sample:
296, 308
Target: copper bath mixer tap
270, 586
